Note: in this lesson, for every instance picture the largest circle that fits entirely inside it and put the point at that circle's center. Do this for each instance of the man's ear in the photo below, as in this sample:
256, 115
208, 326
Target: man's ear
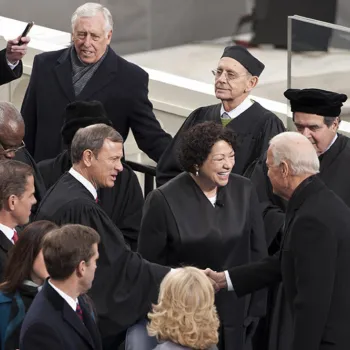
87, 158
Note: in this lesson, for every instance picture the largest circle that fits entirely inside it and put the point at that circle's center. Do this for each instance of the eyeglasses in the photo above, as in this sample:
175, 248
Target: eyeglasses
228, 75
6, 151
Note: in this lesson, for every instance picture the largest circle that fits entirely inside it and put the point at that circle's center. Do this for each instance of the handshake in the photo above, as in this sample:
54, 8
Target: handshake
218, 279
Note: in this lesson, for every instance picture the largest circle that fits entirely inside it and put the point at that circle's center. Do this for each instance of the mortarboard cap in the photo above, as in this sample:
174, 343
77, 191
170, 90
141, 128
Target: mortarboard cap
316, 101
80, 114
245, 58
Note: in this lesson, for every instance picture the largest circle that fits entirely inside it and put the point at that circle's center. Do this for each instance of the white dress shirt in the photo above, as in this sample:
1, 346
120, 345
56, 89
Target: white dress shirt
239, 109
71, 302
331, 144
86, 183
8, 232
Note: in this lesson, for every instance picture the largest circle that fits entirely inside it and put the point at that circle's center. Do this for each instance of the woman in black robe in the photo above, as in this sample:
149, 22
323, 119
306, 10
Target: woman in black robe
209, 217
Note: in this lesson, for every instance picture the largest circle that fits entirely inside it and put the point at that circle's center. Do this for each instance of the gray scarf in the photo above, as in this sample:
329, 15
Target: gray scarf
82, 72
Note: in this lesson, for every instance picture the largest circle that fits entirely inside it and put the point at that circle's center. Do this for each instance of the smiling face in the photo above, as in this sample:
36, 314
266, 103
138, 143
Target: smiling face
107, 165
313, 127
90, 39
218, 165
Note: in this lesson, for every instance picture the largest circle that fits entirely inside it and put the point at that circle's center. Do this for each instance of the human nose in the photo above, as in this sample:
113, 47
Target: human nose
222, 77
87, 40
119, 166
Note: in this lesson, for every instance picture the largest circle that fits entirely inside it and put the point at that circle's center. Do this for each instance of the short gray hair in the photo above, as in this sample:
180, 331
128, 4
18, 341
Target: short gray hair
297, 151
9, 113
91, 9
92, 138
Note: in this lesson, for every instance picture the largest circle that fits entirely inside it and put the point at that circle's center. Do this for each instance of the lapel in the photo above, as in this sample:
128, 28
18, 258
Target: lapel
68, 315
105, 73
5, 243
63, 71
90, 322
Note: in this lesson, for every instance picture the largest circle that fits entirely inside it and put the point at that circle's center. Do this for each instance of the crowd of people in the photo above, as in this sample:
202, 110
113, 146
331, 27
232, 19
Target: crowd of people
244, 244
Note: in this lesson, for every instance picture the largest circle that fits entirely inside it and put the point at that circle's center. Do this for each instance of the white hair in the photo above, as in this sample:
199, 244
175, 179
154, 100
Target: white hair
91, 9
297, 151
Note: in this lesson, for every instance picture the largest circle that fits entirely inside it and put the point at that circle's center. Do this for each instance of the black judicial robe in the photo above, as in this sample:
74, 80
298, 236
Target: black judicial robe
123, 203
254, 129
334, 170
180, 226
23, 155
125, 285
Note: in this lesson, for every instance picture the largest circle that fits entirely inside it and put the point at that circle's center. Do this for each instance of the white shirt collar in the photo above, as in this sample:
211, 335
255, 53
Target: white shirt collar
8, 232
239, 109
71, 302
331, 144
86, 183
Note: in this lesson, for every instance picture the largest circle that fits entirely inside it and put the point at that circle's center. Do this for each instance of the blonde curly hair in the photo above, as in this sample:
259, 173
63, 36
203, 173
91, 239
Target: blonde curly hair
185, 313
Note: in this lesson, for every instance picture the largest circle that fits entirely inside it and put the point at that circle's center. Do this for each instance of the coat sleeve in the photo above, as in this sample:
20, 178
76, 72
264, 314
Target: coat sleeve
314, 248
40, 336
153, 234
6, 73
249, 278
168, 166
29, 109
149, 135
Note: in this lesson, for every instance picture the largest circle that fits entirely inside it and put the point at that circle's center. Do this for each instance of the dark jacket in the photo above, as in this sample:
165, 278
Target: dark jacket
119, 85
5, 246
6, 73
52, 324
314, 265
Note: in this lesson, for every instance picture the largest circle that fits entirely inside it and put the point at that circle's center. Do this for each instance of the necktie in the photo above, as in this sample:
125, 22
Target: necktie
79, 312
15, 236
96, 200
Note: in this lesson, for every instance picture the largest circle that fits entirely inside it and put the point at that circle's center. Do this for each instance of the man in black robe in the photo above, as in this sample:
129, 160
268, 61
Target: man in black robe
235, 77
314, 260
125, 284
11, 66
13, 147
124, 201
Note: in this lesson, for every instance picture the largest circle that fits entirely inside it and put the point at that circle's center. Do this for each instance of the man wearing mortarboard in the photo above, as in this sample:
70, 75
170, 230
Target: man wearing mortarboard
316, 115
236, 76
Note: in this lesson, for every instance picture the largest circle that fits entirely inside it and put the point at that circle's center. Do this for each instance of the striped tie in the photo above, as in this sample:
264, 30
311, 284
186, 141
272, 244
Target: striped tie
15, 236
79, 312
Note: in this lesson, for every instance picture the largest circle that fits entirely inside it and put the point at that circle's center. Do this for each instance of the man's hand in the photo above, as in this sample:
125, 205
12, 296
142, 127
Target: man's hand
218, 277
15, 52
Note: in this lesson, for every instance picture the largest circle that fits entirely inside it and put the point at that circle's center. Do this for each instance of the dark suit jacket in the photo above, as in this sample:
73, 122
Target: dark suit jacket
121, 86
6, 73
51, 323
5, 246
314, 265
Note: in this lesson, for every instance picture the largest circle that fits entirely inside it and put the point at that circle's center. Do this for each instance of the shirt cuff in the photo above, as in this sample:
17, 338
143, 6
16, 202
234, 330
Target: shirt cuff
12, 65
229, 282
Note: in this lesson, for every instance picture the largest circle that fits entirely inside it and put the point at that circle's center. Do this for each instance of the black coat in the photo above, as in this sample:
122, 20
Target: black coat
122, 87
180, 226
51, 323
123, 202
6, 73
254, 129
5, 246
314, 265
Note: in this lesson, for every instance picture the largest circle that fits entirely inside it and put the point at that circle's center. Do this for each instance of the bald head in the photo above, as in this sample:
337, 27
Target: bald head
296, 150
11, 125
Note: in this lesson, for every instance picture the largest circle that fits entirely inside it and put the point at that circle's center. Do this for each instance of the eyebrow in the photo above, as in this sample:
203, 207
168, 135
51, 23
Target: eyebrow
306, 126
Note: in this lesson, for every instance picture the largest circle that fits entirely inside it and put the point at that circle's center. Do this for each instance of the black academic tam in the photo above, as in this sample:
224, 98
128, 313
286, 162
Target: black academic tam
125, 285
